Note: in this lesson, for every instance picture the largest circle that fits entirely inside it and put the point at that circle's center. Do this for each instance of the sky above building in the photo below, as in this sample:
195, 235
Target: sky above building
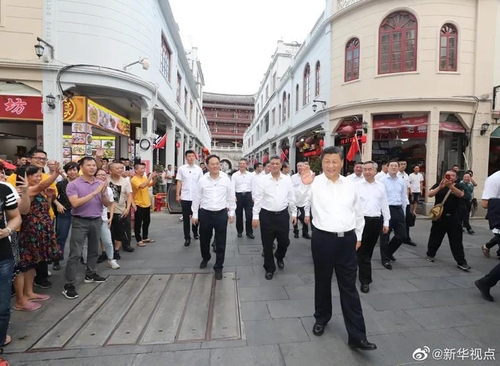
236, 38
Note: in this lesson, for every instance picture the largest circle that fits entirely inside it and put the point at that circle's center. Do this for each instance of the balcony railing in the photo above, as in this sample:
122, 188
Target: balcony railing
227, 148
342, 4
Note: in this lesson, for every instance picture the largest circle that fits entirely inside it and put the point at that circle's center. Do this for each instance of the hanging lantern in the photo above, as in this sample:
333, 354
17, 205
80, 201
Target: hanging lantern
309, 140
178, 144
363, 139
321, 143
299, 144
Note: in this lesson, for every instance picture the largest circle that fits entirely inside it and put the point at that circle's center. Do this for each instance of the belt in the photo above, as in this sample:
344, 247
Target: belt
372, 217
217, 211
275, 212
395, 206
243, 193
338, 235
86, 218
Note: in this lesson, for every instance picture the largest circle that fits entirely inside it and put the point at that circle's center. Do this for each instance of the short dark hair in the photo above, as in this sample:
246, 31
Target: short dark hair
105, 159
36, 151
358, 163
285, 165
137, 164
332, 150
256, 165
243, 159
455, 165
84, 159
393, 161
275, 157
189, 152
414, 166
28, 170
212, 156
265, 164
71, 165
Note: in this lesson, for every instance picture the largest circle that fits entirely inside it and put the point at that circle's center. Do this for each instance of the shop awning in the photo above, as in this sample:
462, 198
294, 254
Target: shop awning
496, 134
390, 124
451, 127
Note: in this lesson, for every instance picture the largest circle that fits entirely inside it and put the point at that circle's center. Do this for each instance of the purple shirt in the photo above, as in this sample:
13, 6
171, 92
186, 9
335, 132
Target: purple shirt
81, 188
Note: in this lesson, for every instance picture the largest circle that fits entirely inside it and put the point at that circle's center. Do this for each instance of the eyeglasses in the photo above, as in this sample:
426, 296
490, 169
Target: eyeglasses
39, 158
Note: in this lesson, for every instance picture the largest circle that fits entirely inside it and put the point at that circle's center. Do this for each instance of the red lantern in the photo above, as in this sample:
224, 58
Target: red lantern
178, 144
299, 144
310, 140
349, 131
321, 143
363, 139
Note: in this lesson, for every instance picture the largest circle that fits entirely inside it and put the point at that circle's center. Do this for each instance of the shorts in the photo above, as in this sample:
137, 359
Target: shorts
415, 196
118, 227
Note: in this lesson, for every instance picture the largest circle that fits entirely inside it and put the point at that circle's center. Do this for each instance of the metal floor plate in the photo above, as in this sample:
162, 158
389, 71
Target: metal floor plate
146, 310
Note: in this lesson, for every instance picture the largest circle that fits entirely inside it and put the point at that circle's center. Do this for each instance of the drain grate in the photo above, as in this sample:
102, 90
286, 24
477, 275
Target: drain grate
147, 310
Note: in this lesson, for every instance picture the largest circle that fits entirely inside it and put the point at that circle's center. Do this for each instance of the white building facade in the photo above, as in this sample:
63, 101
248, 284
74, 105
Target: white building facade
290, 105
87, 47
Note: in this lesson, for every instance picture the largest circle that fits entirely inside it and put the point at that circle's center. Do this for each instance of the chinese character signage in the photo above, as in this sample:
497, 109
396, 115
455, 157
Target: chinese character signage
74, 109
27, 108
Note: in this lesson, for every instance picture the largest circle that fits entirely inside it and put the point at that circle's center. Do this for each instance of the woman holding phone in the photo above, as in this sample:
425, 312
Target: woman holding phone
37, 240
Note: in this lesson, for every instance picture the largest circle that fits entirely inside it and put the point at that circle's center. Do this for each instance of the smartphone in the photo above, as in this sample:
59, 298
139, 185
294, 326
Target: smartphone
20, 173
447, 176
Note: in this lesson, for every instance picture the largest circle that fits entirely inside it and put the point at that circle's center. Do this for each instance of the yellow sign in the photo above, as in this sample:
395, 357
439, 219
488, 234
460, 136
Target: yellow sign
74, 109
105, 119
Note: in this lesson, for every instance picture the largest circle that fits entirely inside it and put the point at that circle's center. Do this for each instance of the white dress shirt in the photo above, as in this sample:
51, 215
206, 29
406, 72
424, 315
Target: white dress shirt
380, 175
335, 206
373, 200
356, 178
300, 197
396, 190
255, 181
296, 180
405, 177
492, 190
274, 195
242, 182
189, 176
214, 195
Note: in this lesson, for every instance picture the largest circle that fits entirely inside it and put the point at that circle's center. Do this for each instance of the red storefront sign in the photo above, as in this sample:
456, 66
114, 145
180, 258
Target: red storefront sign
28, 108
451, 127
400, 123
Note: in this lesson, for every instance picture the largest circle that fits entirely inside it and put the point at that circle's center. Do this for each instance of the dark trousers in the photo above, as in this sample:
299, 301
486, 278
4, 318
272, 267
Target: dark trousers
213, 221
371, 232
142, 220
330, 253
274, 225
397, 223
121, 229
409, 211
6, 271
493, 241
41, 271
448, 224
186, 219
493, 277
244, 203
465, 206
63, 224
301, 215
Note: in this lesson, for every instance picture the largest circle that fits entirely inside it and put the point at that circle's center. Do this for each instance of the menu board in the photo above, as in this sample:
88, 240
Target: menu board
106, 119
74, 152
108, 143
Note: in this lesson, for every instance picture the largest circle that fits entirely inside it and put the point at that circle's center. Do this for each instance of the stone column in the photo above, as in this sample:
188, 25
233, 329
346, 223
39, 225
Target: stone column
431, 156
52, 119
170, 145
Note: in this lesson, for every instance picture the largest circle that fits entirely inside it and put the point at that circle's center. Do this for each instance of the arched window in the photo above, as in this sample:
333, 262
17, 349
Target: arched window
306, 85
296, 97
398, 43
283, 118
352, 60
317, 88
448, 48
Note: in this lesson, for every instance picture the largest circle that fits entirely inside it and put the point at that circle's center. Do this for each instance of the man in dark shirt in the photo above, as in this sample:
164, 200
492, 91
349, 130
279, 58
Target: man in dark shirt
450, 222
10, 220
467, 185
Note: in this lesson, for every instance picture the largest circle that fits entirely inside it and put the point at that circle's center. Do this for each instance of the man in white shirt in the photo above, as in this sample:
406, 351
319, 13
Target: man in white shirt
242, 183
169, 177
490, 201
383, 171
338, 224
357, 176
402, 174
213, 202
416, 180
285, 169
257, 168
300, 202
373, 200
274, 195
188, 176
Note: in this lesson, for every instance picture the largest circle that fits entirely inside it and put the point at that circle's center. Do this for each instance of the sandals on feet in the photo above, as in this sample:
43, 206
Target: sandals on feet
30, 306
141, 244
40, 297
148, 240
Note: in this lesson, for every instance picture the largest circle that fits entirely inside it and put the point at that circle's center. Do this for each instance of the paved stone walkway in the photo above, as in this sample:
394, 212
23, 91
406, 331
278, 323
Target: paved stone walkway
159, 308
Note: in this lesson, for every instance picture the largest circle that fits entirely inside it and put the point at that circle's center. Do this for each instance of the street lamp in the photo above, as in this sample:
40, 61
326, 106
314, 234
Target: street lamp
364, 124
51, 101
40, 49
484, 128
315, 106
144, 61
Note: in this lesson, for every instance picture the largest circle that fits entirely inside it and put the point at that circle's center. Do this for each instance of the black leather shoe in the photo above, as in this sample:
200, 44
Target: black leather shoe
485, 291
187, 242
250, 236
363, 345
365, 289
269, 276
306, 236
281, 264
296, 235
391, 257
411, 242
196, 237
387, 265
128, 249
318, 329
218, 275
203, 264
240, 235
56, 266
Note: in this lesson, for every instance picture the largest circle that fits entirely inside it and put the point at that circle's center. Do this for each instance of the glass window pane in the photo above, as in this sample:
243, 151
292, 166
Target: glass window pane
396, 46
384, 67
409, 55
410, 34
384, 48
348, 56
348, 65
396, 57
384, 58
396, 67
444, 41
356, 64
410, 65
443, 52
356, 53
442, 64
386, 38
452, 42
348, 75
452, 64
410, 44
355, 74
396, 37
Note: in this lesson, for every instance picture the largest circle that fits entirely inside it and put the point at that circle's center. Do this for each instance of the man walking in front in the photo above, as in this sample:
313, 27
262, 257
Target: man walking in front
242, 183
140, 195
402, 174
188, 176
397, 198
373, 199
300, 203
274, 194
213, 202
87, 196
337, 230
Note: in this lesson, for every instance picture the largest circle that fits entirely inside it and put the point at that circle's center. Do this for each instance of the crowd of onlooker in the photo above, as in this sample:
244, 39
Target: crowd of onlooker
44, 206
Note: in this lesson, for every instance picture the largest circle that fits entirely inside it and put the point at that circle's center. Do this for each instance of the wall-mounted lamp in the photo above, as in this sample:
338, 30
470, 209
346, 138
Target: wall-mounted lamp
51, 101
40, 49
364, 124
315, 106
484, 128
144, 61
